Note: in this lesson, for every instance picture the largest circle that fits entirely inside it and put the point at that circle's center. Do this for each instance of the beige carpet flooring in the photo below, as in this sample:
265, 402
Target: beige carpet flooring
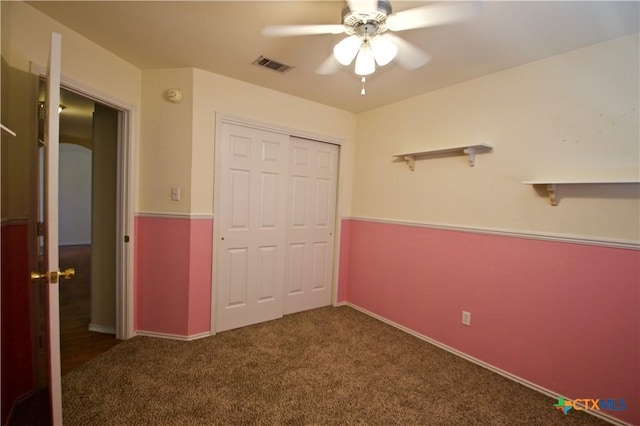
329, 366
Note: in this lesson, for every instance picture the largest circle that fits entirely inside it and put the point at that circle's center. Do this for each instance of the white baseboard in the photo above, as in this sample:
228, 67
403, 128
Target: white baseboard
173, 336
102, 329
490, 367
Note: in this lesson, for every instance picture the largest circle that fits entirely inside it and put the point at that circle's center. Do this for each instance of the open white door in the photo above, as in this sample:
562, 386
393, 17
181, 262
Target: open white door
50, 201
51, 156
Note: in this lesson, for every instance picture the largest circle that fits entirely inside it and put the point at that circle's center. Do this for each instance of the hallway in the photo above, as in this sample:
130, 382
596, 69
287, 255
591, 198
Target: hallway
77, 344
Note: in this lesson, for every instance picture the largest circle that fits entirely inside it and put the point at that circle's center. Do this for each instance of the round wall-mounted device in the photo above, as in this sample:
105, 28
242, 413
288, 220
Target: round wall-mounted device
174, 95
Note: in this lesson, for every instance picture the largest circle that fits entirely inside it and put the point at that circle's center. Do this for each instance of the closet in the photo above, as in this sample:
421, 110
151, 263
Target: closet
275, 223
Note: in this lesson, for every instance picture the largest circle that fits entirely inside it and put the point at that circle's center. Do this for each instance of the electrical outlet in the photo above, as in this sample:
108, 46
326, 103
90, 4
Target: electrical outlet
175, 193
466, 318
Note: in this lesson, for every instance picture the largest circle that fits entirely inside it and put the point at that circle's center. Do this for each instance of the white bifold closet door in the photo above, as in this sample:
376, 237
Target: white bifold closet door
313, 171
275, 222
252, 220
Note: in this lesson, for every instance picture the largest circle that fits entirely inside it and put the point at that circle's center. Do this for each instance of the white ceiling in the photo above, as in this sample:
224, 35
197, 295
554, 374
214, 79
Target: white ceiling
225, 37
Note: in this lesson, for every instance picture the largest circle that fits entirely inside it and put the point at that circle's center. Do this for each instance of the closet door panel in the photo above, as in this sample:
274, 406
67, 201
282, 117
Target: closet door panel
251, 220
313, 177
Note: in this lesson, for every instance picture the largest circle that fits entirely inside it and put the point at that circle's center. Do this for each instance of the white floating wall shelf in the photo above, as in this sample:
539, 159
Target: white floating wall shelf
551, 185
8, 130
470, 150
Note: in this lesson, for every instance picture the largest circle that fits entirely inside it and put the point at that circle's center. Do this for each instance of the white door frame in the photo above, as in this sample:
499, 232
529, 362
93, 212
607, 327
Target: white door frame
223, 118
125, 198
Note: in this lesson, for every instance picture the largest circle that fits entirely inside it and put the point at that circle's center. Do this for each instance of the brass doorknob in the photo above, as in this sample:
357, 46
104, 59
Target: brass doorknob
53, 276
35, 276
67, 273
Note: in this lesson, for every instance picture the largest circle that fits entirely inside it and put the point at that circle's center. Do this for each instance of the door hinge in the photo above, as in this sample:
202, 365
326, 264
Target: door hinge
126, 238
40, 229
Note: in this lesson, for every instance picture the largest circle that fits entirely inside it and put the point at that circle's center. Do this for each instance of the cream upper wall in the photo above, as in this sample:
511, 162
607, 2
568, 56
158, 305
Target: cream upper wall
572, 115
188, 162
17, 152
165, 151
176, 147
26, 35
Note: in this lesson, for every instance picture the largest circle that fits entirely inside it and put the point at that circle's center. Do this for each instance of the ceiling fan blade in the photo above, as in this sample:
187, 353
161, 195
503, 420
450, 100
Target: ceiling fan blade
329, 66
364, 6
300, 30
410, 56
432, 15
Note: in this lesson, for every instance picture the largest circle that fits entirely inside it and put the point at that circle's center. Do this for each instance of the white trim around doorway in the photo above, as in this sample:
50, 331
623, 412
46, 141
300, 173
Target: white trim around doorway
125, 197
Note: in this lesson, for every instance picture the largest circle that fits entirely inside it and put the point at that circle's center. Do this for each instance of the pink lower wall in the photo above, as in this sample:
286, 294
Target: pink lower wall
563, 316
17, 361
200, 276
173, 275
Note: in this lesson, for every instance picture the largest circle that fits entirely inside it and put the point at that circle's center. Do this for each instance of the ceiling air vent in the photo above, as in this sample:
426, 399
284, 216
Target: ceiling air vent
271, 64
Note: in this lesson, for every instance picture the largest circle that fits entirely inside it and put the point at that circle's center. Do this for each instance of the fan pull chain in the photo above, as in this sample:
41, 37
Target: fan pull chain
362, 91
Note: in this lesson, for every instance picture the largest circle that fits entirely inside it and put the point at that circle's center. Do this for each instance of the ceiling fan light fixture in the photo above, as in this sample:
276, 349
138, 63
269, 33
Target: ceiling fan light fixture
384, 50
347, 49
365, 63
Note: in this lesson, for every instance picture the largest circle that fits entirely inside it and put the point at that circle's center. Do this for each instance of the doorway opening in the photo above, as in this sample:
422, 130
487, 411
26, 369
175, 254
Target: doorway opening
88, 204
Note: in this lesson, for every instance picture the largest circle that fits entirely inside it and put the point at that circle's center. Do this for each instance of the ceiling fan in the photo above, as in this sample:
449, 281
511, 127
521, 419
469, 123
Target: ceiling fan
370, 24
